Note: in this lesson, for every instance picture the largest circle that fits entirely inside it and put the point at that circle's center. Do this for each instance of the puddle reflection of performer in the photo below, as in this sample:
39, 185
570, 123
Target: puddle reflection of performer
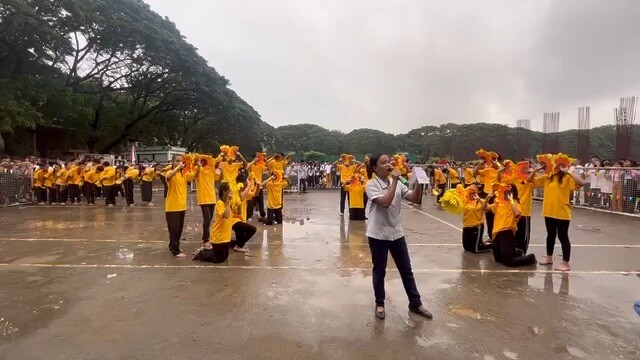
385, 233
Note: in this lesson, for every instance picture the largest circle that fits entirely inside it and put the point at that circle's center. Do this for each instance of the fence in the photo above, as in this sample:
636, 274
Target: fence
15, 184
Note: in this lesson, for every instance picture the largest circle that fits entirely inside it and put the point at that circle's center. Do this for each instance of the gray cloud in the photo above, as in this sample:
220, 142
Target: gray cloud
397, 65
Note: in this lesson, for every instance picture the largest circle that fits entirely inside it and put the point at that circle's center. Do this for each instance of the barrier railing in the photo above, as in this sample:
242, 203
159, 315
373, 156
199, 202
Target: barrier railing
15, 184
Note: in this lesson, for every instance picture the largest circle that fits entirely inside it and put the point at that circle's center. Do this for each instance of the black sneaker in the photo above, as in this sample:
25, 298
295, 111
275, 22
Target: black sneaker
422, 312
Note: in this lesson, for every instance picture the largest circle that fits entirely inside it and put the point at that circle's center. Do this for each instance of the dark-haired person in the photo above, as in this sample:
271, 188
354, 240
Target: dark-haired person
50, 183
244, 232
440, 182
131, 176
40, 191
206, 176
556, 209
257, 168
217, 249
473, 222
175, 204
489, 175
89, 180
61, 184
356, 187
507, 212
108, 181
230, 168
275, 185
385, 233
347, 166
146, 183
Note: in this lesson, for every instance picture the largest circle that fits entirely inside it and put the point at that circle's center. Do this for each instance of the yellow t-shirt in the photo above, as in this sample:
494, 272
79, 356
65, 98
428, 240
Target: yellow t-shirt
274, 165
49, 178
257, 170
274, 194
148, 174
356, 195
91, 176
469, 179
38, 178
473, 215
221, 227
108, 176
364, 173
555, 202
132, 173
439, 177
489, 177
346, 171
72, 174
206, 190
525, 193
78, 176
505, 218
61, 177
177, 192
230, 171
238, 212
453, 175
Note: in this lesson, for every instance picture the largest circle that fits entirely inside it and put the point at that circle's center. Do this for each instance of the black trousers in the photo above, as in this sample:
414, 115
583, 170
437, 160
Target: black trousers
250, 209
400, 254
74, 193
53, 194
302, 185
207, 217
628, 196
110, 192
244, 232
128, 190
523, 235
472, 239
258, 201
119, 190
559, 228
441, 189
504, 250
89, 192
175, 223
344, 194
63, 193
98, 190
357, 214
40, 194
219, 252
146, 191
166, 186
274, 215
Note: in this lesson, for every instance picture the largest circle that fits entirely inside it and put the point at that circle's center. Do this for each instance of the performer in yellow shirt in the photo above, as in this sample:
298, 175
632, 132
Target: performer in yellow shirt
61, 184
356, 188
244, 231
347, 166
205, 177
257, 168
507, 212
556, 206
38, 183
175, 204
146, 183
131, 176
275, 185
473, 222
50, 183
217, 249
90, 178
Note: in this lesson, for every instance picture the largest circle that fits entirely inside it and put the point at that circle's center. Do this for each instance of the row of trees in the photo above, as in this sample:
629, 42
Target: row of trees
113, 71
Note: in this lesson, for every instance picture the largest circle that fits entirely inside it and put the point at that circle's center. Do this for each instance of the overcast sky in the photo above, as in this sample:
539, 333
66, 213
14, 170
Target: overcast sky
400, 64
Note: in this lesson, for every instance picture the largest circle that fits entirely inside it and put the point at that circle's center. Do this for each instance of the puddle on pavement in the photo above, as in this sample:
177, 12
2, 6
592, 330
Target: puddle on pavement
467, 312
573, 351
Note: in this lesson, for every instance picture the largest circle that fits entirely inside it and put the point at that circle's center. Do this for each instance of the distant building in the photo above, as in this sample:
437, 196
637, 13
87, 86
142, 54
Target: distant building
156, 154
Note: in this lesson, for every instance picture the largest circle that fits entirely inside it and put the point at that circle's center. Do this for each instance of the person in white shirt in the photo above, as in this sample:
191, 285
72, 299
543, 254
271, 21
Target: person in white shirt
385, 233
302, 177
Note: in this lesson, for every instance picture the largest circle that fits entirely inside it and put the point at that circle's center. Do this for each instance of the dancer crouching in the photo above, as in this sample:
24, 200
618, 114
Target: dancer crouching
473, 222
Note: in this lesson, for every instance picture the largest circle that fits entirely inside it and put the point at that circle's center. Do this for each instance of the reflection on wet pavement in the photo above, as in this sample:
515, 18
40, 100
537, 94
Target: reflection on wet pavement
96, 283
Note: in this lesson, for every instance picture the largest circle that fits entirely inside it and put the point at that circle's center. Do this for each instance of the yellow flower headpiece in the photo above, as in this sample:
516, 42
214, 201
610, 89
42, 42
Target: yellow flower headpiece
229, 151
547, 160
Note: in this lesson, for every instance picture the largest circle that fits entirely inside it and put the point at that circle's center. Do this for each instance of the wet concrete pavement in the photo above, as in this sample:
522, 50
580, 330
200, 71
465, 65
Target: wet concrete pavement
305, 293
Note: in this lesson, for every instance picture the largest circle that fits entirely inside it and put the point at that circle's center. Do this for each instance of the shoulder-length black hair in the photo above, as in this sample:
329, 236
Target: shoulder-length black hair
222, 189
373, 161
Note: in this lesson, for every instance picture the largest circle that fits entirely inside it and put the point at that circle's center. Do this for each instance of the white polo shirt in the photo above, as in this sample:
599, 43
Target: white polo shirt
384, 223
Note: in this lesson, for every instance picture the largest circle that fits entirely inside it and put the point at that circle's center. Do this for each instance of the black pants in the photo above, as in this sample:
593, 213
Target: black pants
504, 250
274, 215
207, 217
258, 201
128, 190
489, 216
119, 190
561, 229
628, 196
74, 193
98, 191
250, 209
400, 254
110, 192
472, 239
441, 189
63, 193
166, 186
175, 223
219, 253
40, 194
89, 192
53, 194
523, 235
357, 214
302, 185
344, 194
244, 232
146, 191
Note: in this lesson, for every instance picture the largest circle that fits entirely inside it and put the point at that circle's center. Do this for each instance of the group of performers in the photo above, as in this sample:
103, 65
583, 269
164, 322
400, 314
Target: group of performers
91, 178
500, 193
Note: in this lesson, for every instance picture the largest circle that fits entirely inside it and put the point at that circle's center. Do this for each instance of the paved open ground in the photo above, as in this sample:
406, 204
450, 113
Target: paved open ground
98, 283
